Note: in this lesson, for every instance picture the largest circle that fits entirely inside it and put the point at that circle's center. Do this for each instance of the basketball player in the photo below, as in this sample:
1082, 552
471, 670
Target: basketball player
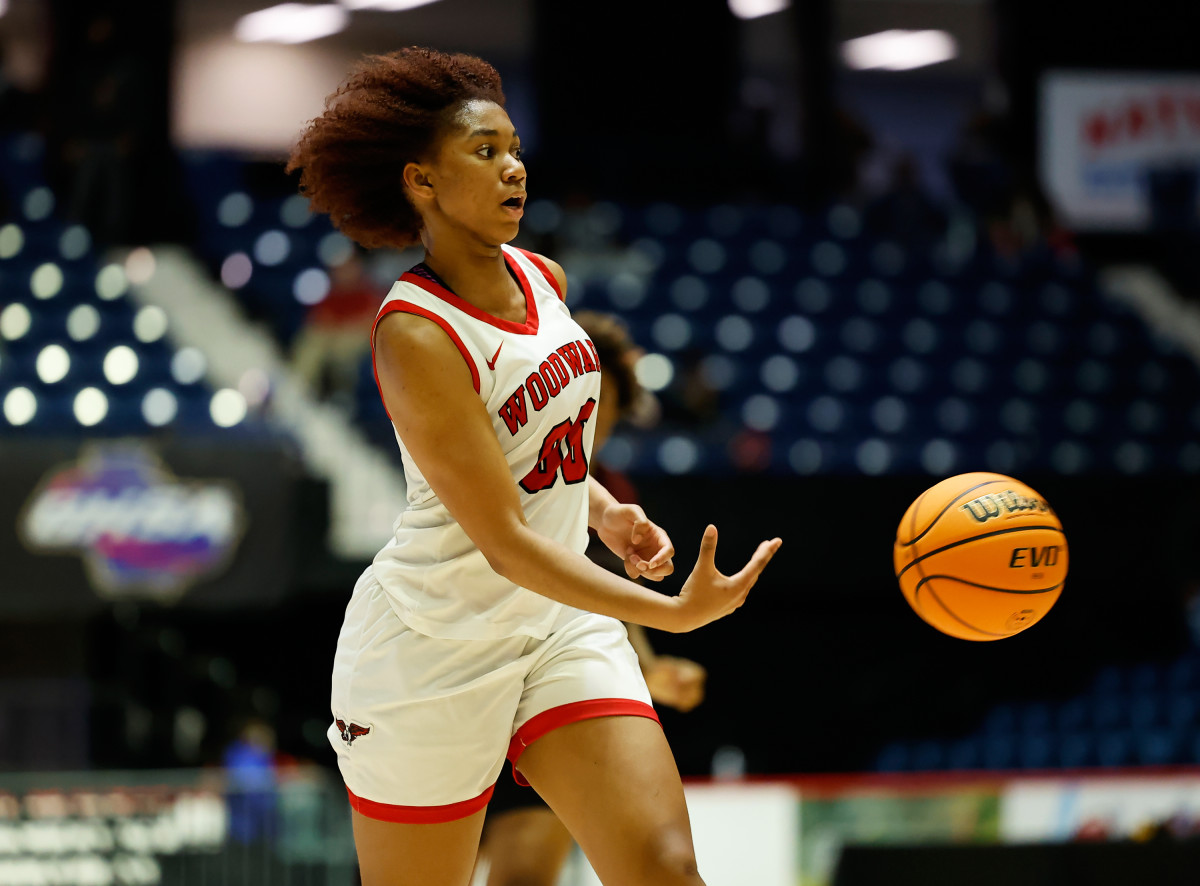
481, 631
524, 843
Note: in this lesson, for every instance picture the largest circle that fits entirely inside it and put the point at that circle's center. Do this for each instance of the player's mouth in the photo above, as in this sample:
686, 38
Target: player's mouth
515, 205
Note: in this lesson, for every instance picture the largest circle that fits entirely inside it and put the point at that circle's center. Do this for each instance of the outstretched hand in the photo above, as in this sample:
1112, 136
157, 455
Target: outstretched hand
708, 594
643, 545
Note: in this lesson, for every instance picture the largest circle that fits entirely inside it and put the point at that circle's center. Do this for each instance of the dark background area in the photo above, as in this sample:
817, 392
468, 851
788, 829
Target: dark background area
823, 665
826, 663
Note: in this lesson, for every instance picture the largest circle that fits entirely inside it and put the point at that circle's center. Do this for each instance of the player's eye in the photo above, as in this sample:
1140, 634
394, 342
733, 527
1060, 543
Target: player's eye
486, 151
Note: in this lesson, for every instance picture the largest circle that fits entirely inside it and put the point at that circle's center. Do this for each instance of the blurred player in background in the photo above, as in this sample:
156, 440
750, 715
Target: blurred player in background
329, 348
524, 843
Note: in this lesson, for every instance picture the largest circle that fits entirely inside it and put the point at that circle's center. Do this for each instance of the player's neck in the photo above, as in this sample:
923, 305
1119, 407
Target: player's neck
479, 276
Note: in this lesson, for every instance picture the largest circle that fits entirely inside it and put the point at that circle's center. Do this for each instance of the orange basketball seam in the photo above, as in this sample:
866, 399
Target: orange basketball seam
974, 538
976, 584
965, 624
915, 508
949, 505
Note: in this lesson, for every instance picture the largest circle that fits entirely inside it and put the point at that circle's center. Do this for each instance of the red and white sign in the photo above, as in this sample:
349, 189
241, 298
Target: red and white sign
1103, 133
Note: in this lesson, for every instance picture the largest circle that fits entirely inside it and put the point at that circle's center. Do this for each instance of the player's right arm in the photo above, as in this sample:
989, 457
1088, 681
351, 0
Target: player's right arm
428, 391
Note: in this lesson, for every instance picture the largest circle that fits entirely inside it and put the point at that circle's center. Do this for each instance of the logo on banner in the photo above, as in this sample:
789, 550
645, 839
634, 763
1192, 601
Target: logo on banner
1106, 136
141, 531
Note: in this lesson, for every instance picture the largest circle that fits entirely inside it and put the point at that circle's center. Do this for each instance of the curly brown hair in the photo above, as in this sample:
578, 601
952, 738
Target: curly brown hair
618, 354
389, 112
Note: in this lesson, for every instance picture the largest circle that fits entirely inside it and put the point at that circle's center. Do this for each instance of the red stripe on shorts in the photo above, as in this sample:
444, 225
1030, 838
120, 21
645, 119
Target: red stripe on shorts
419, 814
547, 721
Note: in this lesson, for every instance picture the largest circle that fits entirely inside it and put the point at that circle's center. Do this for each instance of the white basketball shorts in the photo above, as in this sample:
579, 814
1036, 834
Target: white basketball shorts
422, 725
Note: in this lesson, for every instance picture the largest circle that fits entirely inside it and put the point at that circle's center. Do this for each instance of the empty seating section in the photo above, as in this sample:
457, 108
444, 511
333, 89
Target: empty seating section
77, 355
855, 355
1140, 715
269, 250
831, 350
776, 340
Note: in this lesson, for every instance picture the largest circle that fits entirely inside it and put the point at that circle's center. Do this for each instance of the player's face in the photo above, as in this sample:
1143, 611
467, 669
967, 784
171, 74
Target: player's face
479, 177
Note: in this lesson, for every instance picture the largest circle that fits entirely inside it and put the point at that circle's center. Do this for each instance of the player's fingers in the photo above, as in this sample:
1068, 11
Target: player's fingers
631, 569
655, 573
664, 555
762, 556
641, 528
658, 573
708, 548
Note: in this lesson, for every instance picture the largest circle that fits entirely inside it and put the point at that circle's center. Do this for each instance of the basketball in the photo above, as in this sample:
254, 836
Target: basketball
980, 556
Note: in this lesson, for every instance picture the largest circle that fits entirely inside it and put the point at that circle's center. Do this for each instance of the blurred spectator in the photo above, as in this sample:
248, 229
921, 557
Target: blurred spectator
690, 400
750, 450
850, 144
329, 349
1191, 613
904, 212
17, 107
1008, 203
249, 762
99, 119
979, 168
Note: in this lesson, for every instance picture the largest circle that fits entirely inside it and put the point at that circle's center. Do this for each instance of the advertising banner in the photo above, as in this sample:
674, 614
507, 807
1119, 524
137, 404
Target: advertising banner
1110, 141
1099, 808
171, 828
90, 523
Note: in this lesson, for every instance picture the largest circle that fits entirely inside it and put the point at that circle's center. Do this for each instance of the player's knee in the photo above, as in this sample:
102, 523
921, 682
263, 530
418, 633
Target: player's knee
673, 859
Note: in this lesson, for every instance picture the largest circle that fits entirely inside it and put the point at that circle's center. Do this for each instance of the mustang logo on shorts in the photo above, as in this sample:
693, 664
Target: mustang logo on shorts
351, 731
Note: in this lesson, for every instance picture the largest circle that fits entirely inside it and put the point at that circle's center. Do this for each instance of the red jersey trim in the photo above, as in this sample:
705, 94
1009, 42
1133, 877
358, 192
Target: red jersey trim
529, 327
547, 721
541, 266
419, 814
410, 308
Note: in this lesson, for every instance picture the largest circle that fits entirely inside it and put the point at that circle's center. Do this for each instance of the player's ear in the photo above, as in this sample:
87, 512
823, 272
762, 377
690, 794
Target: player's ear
418, 181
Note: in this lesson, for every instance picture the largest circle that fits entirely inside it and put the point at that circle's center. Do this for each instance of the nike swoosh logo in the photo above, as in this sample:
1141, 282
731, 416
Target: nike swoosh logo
492, 363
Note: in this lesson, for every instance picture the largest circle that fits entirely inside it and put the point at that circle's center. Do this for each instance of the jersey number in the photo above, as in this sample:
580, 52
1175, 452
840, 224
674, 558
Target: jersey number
552, 458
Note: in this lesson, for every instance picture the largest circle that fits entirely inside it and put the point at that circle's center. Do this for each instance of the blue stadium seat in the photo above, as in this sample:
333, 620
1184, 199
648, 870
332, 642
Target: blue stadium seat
963, 754
1037, 752
1159, 747
1114, 748
1077, 750
894, 757
928, 756
999, 752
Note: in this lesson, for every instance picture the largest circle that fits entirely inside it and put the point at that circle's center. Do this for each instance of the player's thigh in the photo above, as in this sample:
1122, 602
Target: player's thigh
393, 854
525, 847
613, 782
421, 724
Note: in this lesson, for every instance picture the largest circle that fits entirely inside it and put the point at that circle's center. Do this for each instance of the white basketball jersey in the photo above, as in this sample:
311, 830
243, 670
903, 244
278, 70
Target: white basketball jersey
540, 382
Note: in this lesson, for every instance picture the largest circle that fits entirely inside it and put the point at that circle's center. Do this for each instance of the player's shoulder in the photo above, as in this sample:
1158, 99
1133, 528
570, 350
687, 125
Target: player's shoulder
555, 268
414, 331
551, 267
